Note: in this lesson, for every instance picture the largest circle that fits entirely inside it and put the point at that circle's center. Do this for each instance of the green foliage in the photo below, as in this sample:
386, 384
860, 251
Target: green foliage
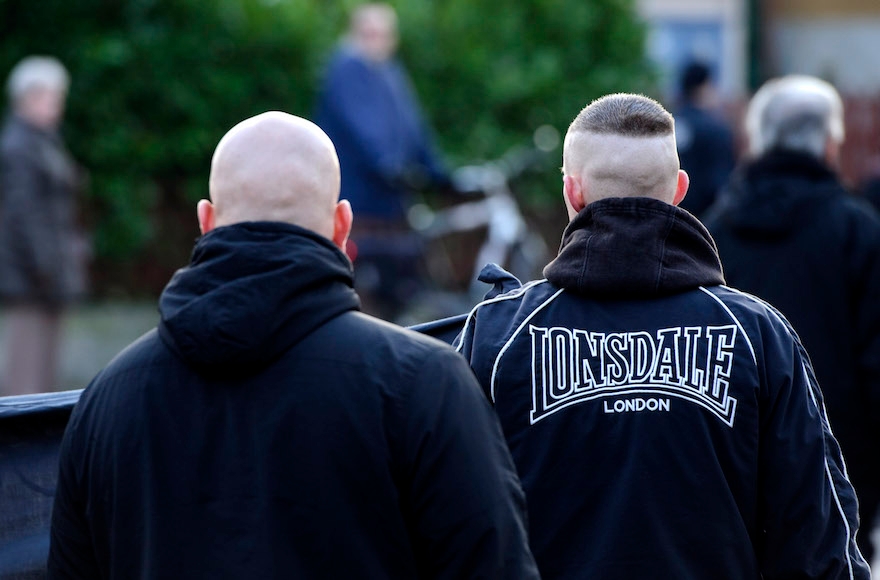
156, 83
491, 72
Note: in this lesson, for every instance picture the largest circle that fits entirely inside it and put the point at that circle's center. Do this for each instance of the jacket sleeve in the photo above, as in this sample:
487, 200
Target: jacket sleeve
478, 357
806, 505
32, 242
71, 552
463, 498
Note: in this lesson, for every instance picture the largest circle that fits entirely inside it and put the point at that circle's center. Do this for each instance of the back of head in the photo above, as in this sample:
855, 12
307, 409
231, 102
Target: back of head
694, 77
275, 167
795, 113
36, 73
623, 145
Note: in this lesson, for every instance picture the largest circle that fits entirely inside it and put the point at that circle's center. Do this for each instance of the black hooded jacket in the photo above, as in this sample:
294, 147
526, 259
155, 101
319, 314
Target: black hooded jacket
664, 425
788, 232
268, 429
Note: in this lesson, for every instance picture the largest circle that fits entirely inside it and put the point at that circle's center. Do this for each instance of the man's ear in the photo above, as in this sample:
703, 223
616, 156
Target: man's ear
681, 187
206, 214
573, 189
342, 220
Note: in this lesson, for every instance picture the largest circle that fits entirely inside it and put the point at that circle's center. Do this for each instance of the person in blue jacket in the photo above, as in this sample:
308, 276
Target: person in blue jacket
367, 106
267, 429
663, 424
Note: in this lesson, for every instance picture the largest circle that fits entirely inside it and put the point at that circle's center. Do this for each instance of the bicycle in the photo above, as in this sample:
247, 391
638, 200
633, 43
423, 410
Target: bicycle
508, 241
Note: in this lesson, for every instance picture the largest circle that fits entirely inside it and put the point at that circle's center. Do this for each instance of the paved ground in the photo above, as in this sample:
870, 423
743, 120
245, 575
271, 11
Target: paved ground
91, 336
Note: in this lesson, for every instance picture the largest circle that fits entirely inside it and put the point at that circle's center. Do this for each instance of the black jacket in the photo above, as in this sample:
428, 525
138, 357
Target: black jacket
663, 425
42, 250
269, 430
788, 232
706, 150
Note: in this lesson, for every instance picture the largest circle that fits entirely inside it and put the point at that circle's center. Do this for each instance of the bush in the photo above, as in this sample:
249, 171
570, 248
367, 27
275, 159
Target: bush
156, 83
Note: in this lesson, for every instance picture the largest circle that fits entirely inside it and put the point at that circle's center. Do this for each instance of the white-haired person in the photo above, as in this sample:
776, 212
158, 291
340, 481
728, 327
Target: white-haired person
41, 247
788, 231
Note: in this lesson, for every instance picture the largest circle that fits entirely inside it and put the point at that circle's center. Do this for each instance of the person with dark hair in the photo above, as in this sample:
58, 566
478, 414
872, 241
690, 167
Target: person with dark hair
790, 232
368, 107
43, 250
663, 424
266, 428
704, 139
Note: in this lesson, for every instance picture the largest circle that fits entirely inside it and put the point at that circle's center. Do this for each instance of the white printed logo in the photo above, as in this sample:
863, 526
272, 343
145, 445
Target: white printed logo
571, 366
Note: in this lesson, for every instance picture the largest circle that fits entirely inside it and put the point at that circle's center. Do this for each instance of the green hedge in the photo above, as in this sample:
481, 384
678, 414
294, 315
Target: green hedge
156, 83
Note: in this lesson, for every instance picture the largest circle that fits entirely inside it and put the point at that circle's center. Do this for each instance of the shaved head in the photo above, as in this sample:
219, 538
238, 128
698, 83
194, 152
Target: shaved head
621, 145
275, 167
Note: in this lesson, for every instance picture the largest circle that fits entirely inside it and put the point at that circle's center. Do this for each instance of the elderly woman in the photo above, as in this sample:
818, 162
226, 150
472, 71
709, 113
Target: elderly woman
41, 249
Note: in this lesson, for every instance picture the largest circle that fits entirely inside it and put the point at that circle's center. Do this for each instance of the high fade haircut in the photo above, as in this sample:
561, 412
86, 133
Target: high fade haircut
622, 145
623, 114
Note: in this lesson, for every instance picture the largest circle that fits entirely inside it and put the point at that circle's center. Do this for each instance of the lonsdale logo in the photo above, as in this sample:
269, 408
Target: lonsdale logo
571, 366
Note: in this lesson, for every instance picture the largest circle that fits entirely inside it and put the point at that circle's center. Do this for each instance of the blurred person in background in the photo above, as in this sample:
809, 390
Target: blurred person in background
368, 108
42, 250
789, 232
704, 139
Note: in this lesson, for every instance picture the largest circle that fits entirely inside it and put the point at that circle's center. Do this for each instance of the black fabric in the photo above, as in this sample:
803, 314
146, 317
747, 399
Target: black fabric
634, 247
237, 306
789, 232
31, 427
776, 196
319, 443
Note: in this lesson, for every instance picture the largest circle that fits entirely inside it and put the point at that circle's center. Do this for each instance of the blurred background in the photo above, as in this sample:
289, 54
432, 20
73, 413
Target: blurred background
156, 83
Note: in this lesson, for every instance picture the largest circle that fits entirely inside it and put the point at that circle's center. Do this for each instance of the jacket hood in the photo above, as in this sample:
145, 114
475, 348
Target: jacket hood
768, 197
250, 292
634, 248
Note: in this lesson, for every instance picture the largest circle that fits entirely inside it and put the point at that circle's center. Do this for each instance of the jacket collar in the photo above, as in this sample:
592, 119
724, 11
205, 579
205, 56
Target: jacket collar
634, 248
250, 292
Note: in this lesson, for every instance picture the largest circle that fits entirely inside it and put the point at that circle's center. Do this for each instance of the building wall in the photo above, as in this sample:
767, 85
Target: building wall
713, 31
838, 41
825, 8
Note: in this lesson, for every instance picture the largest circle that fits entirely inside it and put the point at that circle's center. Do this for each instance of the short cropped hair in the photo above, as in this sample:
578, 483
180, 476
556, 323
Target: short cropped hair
35, 72
794, 113
623, 114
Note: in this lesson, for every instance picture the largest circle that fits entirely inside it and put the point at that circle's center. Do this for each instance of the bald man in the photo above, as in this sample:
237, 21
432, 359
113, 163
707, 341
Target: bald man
663, 424
266, 428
